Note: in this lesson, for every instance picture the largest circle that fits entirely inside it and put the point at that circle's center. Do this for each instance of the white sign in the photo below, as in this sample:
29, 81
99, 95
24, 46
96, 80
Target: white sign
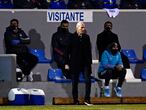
112, 12
69, 15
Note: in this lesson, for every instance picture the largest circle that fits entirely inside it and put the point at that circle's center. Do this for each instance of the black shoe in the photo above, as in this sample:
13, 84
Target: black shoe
76, 102
88, 103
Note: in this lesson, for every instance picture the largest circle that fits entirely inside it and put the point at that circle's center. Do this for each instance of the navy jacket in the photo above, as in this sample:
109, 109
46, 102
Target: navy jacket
15, 42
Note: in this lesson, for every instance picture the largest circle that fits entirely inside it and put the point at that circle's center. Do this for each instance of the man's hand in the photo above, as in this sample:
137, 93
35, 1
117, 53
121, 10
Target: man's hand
67, 67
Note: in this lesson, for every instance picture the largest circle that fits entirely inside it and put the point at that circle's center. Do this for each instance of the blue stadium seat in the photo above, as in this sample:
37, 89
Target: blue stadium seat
40, 53
109, 4
143, 74
6, 4
82, 79
130, 53
56, 75
144, 55
51, 74
57, 4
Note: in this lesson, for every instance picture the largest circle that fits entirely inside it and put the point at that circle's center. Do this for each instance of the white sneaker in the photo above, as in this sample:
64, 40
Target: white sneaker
30, 77
18, 70
88, 103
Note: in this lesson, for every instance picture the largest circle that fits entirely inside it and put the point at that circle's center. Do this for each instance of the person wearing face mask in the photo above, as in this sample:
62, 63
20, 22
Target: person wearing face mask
80, 62
111, 67
60, 47
107, 37
16, 42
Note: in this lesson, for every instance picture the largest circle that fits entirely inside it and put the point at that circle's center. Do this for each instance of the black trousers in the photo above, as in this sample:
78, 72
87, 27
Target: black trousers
26, 62
75, 81
113, 74
125, 61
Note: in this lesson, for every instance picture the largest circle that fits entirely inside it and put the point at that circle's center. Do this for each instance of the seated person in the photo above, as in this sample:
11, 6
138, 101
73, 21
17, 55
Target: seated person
111, 67
15, 41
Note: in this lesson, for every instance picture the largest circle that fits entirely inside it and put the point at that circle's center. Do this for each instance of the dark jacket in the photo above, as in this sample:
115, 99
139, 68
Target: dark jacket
104, 39
15, 43
80, 53
60, 45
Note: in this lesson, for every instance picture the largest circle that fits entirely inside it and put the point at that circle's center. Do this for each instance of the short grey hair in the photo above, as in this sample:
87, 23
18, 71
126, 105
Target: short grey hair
79, 24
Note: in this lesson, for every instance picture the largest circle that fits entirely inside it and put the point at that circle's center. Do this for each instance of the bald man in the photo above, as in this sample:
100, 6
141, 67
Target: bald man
80, 61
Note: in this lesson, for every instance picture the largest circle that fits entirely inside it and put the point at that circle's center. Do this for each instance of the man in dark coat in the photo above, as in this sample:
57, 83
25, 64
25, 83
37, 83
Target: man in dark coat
15, 41
107, 37
80, 61
60, 45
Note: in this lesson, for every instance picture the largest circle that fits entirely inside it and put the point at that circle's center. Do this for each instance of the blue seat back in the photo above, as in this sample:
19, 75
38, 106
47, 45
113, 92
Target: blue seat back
40, 53
143, 74
130, 53
109, 5
59, 73
6, 4
57, 4
54, 73
144, 54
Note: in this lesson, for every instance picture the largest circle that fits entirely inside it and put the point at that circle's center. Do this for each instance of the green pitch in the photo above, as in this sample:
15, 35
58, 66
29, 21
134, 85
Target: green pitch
78, 107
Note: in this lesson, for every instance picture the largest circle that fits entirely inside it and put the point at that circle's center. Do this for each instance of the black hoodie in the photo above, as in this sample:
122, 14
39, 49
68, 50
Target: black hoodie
20, 36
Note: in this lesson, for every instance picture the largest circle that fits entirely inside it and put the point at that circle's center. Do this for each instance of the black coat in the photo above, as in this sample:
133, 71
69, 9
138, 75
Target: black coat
60, 46
104, 39
80, 53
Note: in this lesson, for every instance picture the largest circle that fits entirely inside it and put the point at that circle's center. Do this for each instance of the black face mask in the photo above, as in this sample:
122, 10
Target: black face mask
64, 30
108, 28
13, 27
114, 52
